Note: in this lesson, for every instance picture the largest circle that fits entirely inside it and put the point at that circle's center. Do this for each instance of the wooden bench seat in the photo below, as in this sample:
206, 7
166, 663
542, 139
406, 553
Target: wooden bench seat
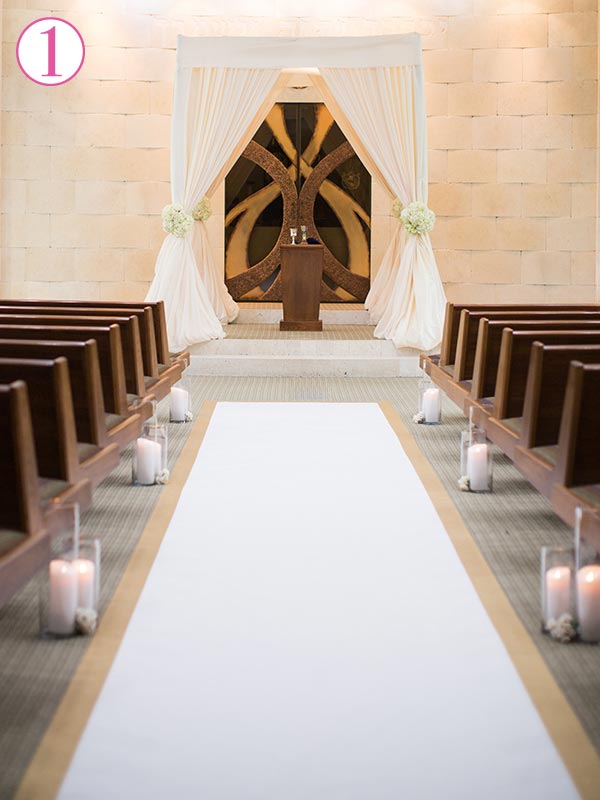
504, 424
93, 425
158, 315
110, 354
572, 463
60, 457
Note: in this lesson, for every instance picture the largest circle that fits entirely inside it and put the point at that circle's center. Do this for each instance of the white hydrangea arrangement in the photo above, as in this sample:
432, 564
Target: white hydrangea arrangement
176, 221
203, 210
416, 217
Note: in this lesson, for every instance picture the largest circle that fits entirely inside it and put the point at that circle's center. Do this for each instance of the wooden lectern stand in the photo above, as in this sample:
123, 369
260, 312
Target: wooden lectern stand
301, 273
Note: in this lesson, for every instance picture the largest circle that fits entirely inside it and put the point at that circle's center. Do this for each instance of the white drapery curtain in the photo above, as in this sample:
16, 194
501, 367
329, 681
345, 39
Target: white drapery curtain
214, 109
382, 112
223, 89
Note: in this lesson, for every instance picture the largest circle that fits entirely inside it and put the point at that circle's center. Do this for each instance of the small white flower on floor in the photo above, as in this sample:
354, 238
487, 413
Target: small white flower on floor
86, 621
419, 418
189, 416
163, 476
562, 629
464, 484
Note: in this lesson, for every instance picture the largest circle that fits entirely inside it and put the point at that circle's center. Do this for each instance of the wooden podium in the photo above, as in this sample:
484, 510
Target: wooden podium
301, 273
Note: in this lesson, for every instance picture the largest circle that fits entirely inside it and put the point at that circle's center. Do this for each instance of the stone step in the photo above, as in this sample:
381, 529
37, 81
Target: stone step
330, 316
305, 366
334, 348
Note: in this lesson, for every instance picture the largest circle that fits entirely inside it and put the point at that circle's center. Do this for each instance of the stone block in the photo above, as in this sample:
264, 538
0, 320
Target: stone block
546, 267
454, 265
438, 166
571, 234
448, 66
449, 133
100, 130
472, 99
548, 133
143, 130
99, 265
521, 166
50, 129
584, 268
572, 29
548, 64
572, 97
127, 231
547, 200
497, 133
497, 200
521, 234
451, 199
471, 233
75, 230
496, 267
585, 131
522, 98
523, 30
50, 197
472, 166
499, 66
585, 62
572, 166
100, 197
148, 197
473, 32
29, 162
49, 264
26, 230
583, 199
567, 294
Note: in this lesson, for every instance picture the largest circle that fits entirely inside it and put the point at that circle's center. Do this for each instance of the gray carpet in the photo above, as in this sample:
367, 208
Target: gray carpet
510, 526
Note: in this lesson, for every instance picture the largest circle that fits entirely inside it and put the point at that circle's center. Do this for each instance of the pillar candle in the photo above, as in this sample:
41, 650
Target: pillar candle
62, 600
477, 467
558, 592
179, 404
432, 404
86, 583
588, 602
148, 460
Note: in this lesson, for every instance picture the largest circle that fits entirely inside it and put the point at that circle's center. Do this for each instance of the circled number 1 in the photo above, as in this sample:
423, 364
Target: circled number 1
51, 34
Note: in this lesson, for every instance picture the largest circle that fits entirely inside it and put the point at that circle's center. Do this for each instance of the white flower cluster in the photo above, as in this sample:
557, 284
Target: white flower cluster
419, 418
464, 484
176, 221
416, 217
203, 210
562, 629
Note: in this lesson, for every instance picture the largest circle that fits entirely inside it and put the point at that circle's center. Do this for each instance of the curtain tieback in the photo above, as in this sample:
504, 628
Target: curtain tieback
416, 217
177, 221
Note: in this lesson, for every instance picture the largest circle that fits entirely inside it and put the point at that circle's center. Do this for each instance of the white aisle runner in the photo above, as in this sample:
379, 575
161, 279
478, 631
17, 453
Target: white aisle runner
307, 632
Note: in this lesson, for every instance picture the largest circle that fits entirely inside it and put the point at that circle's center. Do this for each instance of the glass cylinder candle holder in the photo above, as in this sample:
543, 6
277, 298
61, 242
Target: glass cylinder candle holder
70, 587
430, 402
304, 232
180, 401
557, 583
480, 466
293, 234
150, 455
587, 575
473, 435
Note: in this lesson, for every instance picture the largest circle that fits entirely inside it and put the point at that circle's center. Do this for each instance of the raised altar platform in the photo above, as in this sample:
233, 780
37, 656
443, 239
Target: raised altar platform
346, 347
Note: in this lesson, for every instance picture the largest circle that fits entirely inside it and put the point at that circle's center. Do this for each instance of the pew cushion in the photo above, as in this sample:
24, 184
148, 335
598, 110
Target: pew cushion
86, 450
590, 494
547, 453
10, 539
112, 420
51, 488
513, 424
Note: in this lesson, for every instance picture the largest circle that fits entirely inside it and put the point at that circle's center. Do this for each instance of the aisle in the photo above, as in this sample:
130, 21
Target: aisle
308, 631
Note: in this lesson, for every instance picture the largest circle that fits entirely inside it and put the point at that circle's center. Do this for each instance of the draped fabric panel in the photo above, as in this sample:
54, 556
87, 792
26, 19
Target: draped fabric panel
213, 110
382, 112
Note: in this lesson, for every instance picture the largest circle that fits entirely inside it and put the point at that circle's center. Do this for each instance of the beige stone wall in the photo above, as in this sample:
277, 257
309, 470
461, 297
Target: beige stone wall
512, 107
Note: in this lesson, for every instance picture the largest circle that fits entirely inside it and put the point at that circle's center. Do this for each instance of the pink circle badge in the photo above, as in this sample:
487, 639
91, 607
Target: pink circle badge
50, 51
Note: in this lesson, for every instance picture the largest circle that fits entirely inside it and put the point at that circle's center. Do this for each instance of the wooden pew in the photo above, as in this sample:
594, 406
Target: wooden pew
158, 314
92, 423
130, 340
489, 342
447, 355
538, 359
110, 354
456, 379
59, 453
21, 488
24, 539
569, 471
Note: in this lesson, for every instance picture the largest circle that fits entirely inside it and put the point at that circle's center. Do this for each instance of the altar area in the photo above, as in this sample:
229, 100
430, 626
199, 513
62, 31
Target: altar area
346, 347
